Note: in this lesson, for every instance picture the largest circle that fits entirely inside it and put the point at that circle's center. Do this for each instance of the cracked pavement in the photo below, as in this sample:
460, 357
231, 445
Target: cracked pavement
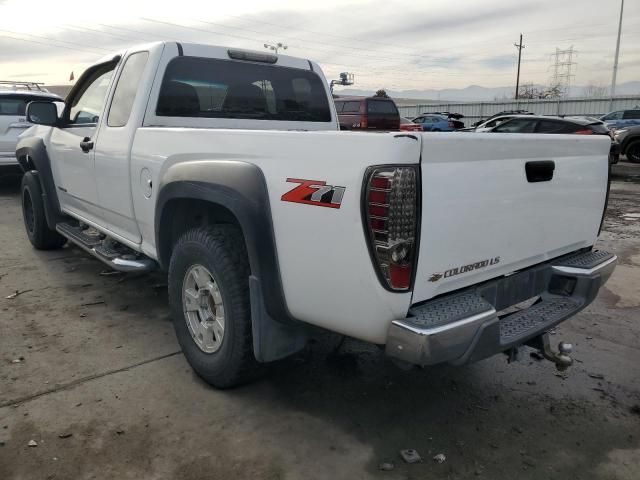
91, 371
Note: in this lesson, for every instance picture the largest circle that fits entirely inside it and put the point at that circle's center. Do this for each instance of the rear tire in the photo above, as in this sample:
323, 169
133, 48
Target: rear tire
35, 221
633, 152
209, 300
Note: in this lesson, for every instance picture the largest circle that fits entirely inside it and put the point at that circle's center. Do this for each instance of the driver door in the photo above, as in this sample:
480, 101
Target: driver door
71, 145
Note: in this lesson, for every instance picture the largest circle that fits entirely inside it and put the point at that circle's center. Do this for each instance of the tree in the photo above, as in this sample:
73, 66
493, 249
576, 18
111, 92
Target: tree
381, 93
530, 91
594, 90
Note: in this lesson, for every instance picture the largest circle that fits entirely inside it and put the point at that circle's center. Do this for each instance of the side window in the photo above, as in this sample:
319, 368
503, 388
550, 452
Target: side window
614, 116
126, 89
351, 107
498, 121
516, 125
632, 114
418, 120
549, 126
87, 106
339, 106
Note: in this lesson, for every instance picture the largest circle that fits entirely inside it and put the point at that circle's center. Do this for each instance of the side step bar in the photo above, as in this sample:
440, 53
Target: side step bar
98, 245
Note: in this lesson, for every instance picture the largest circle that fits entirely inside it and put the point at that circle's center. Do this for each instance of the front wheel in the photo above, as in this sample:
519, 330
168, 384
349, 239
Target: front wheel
209, 299
35, 221
633, 152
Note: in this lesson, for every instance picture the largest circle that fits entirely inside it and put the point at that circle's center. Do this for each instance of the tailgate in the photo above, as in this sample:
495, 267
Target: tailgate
10, 127
481, 216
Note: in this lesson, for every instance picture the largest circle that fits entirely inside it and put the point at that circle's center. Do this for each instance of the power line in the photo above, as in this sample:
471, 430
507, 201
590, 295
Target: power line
79, 49
146, 38
53, 40
303, 45
94, 31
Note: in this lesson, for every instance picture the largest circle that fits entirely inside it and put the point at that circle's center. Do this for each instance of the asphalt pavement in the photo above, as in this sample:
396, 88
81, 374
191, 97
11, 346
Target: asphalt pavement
93, 386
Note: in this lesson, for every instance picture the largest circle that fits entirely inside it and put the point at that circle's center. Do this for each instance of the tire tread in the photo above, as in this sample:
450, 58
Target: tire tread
226, 244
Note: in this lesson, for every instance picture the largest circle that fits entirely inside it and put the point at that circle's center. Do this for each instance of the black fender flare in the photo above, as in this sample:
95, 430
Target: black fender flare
240, 187
32, 155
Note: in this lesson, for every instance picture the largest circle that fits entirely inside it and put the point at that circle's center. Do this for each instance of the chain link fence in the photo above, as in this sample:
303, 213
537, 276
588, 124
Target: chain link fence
474, 111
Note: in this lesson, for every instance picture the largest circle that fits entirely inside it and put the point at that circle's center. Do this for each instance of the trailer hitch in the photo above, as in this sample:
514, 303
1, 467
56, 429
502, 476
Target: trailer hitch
561, 358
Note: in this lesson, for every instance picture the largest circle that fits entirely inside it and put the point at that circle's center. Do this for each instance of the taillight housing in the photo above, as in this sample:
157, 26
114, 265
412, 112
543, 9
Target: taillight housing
584, 132
390, 208
451, 124
363, 122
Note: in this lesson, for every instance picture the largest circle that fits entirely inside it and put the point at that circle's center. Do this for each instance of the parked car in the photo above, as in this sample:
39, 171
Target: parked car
226, 169
407, 125
367, 113
622, 118
567, 125
629, 140
501, 114
437, 123
13, 122
453, 118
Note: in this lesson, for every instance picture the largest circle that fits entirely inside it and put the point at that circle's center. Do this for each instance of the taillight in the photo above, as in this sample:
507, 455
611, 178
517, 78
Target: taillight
451, 124
584, 132
363, 122
390, 214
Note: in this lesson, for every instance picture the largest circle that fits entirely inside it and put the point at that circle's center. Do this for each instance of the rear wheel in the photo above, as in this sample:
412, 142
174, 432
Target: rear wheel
35, 222
633, 152
209, 299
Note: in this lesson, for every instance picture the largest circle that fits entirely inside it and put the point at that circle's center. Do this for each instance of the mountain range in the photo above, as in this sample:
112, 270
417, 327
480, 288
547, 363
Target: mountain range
479, 93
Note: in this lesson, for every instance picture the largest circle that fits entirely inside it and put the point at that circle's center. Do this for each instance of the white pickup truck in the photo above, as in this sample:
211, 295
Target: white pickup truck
226, 168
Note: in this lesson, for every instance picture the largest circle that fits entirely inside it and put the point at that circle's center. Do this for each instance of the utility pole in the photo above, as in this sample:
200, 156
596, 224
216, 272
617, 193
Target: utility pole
275, 46
519, 47
615, 61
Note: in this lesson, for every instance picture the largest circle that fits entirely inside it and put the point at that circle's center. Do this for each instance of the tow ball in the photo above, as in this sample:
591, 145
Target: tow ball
561, 357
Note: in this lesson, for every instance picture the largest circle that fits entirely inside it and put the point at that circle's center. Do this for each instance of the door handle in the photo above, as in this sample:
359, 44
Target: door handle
86, 144
540, 171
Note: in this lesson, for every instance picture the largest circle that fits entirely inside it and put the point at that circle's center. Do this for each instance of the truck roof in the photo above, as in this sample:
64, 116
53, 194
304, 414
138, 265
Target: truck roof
218, 51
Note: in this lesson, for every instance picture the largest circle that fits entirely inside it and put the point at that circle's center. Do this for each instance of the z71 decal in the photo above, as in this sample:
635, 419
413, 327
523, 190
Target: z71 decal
314, 192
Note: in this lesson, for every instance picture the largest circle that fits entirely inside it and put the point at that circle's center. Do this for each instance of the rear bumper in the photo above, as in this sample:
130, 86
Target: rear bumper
470, 325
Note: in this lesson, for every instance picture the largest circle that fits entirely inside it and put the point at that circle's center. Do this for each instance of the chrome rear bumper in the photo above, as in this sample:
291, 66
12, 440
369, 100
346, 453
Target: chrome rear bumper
467, 326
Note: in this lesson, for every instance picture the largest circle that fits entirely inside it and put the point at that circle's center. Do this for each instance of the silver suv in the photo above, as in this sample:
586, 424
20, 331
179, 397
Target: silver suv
13, 121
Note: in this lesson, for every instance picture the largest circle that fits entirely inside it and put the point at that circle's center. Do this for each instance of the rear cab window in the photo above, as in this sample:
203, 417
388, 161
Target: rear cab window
384, 107
227, 89
631, 114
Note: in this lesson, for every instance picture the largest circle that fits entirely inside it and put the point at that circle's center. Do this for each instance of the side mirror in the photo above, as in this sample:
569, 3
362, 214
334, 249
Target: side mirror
42, 113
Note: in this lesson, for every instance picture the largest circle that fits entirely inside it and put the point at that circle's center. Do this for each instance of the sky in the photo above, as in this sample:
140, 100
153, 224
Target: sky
397, 45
